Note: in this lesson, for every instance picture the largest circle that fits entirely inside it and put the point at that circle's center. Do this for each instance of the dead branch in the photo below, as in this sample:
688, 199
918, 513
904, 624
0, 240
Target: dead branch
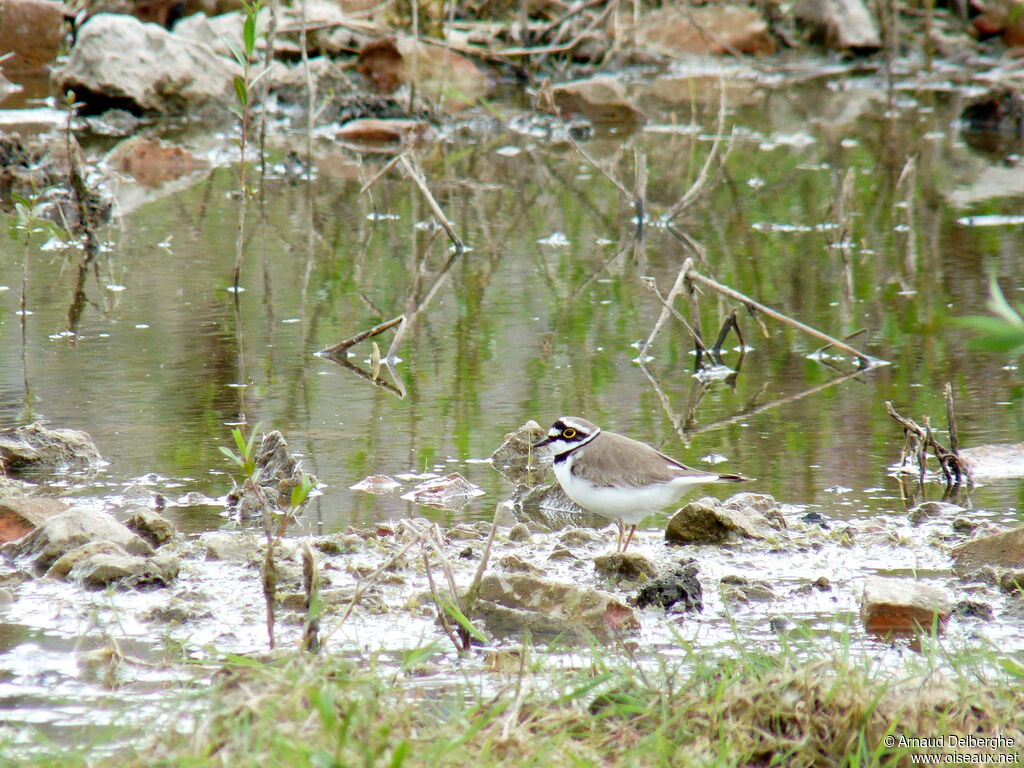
920, 440
417, 177
865, 361
343, 346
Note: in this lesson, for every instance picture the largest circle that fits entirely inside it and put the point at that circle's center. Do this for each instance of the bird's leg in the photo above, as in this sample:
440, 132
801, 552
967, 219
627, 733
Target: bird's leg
632, 530
622, 530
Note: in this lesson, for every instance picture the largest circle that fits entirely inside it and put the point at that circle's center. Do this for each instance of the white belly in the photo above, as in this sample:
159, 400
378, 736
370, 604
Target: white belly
631, 505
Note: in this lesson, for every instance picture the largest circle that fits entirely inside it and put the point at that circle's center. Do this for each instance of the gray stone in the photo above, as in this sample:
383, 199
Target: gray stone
154, 528
739, 589
902, 606
708, 521
124, 571
839, 24
932, 509
117, 57
1005, 550
229, 546
624, 565
36, 448
63, 565
519, 532
515, 458
516, 564
20, 514
69, 530
517, 602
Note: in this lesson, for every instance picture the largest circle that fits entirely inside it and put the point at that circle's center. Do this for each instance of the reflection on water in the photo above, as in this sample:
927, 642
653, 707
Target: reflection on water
819, 223
826, 209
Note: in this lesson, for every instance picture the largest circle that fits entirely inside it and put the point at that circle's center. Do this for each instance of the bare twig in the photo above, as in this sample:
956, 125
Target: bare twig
311, 585
342, 346
650, 284
416, 176
863, 359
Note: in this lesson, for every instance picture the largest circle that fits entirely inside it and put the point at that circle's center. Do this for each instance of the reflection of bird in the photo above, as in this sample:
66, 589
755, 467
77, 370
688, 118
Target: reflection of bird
618, 477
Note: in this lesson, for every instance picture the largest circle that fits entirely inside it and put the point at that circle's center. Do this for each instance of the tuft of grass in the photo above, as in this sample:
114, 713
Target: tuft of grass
800, 705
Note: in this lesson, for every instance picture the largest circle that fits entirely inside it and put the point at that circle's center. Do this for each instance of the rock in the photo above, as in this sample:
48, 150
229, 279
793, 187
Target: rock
151, 162
36, 448
902, 606
625, 565
63, 565
119, 61
999, 17
463, 533
815, 518
973, 609
125, 571
323, 19
439, 73
376, 484
677, 586
33, 30
718, 28
577, 537
932, 509
339, 544
562, 554
520, 602
515, 458
516, 564
374, 131
843, 25
69, 530
1011, 581
708, 521
278, 473
963, 524
229, 546
21, 514
740, 589
598, 99
152, 527
1004, 550
519, 532
452, 491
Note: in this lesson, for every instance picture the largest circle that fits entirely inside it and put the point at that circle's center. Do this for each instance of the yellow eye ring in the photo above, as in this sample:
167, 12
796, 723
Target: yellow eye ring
568, 433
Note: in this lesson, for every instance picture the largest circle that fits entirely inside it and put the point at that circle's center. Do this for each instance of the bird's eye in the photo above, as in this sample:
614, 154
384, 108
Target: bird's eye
568, 433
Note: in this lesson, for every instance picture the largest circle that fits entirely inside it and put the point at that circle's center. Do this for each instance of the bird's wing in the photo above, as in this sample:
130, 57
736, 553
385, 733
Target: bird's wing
630, 462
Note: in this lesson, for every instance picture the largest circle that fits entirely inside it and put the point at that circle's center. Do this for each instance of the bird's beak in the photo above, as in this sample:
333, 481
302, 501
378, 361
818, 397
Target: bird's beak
542, 443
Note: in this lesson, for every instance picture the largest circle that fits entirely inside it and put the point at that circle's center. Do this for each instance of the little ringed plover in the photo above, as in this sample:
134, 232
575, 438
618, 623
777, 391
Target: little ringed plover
618, 477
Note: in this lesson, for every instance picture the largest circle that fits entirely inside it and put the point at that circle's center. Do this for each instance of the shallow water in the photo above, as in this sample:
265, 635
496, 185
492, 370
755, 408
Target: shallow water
543, 315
